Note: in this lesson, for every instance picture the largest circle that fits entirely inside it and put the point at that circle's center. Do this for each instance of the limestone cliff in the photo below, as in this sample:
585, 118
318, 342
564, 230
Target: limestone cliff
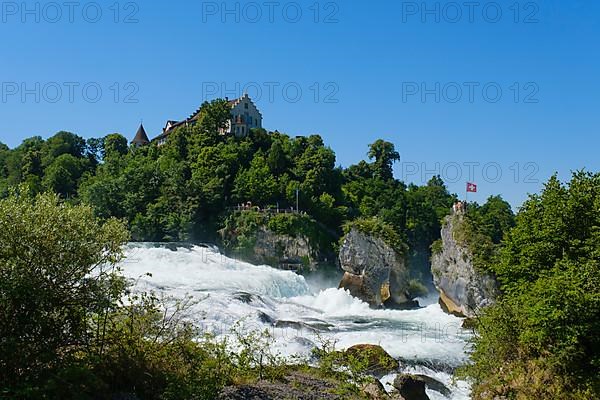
287, 241
374, 271
284, 251
463, 289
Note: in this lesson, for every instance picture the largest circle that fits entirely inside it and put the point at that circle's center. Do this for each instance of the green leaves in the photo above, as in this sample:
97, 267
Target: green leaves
384, 155
545, 325
56, 270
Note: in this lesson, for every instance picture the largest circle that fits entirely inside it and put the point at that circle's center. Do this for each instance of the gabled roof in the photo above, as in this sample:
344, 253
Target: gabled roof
196, 115
141, 138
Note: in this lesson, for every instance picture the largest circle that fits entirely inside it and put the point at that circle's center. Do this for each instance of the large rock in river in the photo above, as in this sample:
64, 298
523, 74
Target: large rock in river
411, 387
463, 289
285, 251
378, 362
374, 271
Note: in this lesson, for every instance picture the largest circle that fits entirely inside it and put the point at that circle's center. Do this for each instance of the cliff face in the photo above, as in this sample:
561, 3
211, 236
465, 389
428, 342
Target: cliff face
284, 251
374, 272
463, 290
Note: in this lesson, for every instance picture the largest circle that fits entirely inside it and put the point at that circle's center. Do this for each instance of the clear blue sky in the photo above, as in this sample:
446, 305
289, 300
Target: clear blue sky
361, 66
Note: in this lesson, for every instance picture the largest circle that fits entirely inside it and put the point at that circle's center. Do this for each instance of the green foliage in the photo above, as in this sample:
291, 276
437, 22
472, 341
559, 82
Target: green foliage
380, 229
185, 189
68, 332
540, 340
416, 289
63, 174
437, 246
56, 272
481, 230
239, 233
352, 369
384, 155
114, 145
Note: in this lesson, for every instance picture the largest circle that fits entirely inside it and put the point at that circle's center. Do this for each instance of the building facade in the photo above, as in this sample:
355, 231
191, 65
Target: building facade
244, 116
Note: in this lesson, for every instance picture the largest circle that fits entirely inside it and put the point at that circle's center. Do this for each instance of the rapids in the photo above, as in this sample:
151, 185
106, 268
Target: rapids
298, 312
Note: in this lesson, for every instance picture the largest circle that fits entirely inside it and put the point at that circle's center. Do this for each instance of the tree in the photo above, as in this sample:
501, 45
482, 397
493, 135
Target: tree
62, 176
214, 116
540, 340
115, 145
497, 218
384, 155
277, 159
63, 143
57, 269
256, 184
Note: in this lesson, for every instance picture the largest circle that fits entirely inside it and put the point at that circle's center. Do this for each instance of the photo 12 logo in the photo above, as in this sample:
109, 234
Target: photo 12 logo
454, 12
469, 92
289, 92
470, 172
68, 92
270, 12
68, 12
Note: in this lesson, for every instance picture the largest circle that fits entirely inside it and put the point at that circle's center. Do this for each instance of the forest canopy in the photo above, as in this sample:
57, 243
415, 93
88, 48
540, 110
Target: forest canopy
186, 189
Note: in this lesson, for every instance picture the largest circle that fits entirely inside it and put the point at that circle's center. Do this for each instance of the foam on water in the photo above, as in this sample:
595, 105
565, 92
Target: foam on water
426, 340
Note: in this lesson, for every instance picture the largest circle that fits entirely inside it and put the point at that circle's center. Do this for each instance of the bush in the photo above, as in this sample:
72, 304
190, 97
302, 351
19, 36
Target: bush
541, 339
482, 230
57, 270
437, 247
379, 229
239, 232
71, 329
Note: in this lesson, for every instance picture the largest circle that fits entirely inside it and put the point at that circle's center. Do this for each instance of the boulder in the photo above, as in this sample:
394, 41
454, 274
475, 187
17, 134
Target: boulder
374, 271
463, 290
379, 362
435, 385
294, 385
411, 387
375, 391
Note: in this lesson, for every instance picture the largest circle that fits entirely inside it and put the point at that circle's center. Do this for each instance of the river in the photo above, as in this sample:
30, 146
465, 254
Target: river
299, 312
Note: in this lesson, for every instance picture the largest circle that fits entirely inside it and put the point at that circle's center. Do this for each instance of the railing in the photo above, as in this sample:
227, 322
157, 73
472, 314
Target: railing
269, 210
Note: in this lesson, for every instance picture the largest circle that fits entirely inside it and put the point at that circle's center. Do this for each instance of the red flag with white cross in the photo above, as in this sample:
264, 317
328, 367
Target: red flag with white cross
471, 187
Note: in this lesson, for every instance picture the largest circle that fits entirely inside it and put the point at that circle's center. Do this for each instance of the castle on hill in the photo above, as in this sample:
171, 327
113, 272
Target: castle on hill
244, 116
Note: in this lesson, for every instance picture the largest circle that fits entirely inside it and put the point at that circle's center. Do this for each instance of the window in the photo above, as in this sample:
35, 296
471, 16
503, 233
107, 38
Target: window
246, 106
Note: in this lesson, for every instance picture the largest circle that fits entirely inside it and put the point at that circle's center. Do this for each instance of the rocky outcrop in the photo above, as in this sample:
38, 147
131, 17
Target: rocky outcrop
284, 251
374, 271
295, 385
411, 387
463, 289
378, 362
303, 385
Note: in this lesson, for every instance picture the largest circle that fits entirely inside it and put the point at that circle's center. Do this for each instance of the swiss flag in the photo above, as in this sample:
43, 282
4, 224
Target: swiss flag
471, 187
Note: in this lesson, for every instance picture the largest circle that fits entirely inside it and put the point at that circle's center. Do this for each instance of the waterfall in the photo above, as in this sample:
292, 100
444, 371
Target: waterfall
297, 312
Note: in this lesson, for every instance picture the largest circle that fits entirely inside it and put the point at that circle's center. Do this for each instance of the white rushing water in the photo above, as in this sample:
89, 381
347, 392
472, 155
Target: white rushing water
299, 312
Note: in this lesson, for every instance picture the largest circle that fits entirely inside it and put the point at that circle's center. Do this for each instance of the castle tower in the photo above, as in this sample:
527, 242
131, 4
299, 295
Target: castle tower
141, 138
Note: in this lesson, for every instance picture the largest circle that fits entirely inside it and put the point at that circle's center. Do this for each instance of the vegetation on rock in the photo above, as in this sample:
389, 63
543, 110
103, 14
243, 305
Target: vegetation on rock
482, 229
540, 340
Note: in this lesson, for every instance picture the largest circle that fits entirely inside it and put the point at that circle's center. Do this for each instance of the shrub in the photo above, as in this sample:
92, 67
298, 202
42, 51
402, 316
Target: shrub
540, 340
379, 229
57, 270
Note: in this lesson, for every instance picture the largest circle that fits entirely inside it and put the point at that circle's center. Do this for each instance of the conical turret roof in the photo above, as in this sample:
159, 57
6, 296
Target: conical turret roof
141, 138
